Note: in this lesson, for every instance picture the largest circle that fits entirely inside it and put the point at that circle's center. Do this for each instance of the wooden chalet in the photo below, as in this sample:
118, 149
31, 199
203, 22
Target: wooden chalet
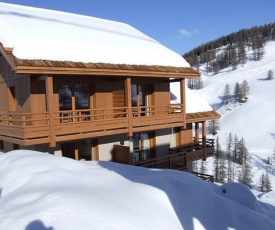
100, 111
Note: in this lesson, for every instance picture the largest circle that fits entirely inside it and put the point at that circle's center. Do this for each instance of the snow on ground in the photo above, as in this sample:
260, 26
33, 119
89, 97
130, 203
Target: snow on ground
42, 191
60, 36
253, 120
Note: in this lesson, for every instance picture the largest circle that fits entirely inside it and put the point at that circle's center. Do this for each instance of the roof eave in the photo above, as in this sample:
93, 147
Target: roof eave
102, 72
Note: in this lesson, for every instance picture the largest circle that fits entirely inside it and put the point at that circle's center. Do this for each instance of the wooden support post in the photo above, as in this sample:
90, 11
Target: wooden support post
50, 107
183, 100
204, 137
76, 154
129, 105
197, 132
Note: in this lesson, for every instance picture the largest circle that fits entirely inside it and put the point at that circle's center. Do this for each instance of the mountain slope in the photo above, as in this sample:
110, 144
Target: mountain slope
253, 120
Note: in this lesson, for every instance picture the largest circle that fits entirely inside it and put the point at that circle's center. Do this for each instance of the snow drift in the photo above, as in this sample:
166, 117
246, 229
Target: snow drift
42, 191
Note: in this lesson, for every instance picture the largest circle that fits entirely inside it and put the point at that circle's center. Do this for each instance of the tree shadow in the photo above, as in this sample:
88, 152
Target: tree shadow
37, 225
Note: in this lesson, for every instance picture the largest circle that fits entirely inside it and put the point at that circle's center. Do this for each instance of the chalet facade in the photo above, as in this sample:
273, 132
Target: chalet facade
88, 110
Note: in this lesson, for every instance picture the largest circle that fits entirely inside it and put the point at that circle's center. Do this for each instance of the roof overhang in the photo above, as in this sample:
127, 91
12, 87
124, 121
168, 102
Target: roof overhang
42, 67
202, 116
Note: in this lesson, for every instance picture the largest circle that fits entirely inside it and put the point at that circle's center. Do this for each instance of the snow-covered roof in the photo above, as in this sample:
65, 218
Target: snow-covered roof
194, 102
42, 34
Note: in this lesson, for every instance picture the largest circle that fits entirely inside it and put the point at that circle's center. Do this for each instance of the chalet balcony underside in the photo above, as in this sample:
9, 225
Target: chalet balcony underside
30, 129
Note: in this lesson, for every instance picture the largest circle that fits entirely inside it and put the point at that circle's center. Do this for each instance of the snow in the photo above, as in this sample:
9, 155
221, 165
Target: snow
43, 191
257, 114
252, 120
194, 102
35, 33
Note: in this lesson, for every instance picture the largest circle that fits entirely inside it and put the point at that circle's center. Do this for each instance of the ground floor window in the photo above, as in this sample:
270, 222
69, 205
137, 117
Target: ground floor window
143, 146
1, 145
81, 150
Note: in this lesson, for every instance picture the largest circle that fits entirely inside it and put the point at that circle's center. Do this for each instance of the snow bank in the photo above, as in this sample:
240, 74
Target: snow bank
51, 35
42, 191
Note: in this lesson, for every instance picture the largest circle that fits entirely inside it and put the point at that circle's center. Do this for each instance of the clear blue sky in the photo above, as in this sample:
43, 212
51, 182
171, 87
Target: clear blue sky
181, 25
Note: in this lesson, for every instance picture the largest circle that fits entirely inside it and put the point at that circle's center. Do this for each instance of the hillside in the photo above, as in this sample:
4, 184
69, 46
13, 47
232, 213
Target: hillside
252, 120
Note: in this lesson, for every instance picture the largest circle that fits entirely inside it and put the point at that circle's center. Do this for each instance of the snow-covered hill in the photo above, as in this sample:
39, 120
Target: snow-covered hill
253, 120
60, 193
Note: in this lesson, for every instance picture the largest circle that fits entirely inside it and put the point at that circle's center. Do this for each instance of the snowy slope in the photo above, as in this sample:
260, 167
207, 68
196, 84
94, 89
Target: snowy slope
253, 120
41, 191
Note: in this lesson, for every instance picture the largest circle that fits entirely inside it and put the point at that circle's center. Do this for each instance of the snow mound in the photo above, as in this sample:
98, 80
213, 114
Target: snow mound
239, 193
40, 190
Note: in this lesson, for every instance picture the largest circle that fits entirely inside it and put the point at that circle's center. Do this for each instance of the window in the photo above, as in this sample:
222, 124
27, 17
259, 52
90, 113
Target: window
74, 97
81, 150
142, 146
139, 99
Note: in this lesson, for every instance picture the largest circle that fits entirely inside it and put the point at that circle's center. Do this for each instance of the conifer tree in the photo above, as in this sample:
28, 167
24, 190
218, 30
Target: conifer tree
195, 166
233, 58
203, 168
237, 92
268, 183
229, 148
213, 127
270, 75
226, 94
245, 175
242, 52
217, 155
265, 184
245, 88
273, 157
235, 147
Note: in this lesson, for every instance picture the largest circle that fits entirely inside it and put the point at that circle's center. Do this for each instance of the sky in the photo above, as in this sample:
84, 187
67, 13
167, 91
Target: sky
180, 25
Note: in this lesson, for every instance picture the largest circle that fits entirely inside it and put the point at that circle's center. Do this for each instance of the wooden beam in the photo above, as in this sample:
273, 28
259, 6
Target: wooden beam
197, 132
128, 97
50, 108
183, 100
102, 72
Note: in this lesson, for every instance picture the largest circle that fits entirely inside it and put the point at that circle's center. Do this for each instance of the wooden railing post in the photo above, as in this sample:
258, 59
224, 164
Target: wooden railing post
50, 106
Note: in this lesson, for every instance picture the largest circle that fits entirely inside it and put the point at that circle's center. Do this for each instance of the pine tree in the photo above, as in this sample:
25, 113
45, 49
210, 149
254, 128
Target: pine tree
229, 147
245, 88
213, 127
237, 92
203, 168
233, 56
217, 155
265, 184
262, 186
242, 53
235, 147
226, 95
245, 175
268, 183
273, 157
270, 75
195, 166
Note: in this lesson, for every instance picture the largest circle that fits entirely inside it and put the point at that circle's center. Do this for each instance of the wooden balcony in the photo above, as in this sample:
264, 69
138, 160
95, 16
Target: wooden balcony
37, 128
179, 157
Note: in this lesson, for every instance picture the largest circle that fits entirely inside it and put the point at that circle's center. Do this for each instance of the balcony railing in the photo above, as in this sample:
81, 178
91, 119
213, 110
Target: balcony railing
38, 128
180, 157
